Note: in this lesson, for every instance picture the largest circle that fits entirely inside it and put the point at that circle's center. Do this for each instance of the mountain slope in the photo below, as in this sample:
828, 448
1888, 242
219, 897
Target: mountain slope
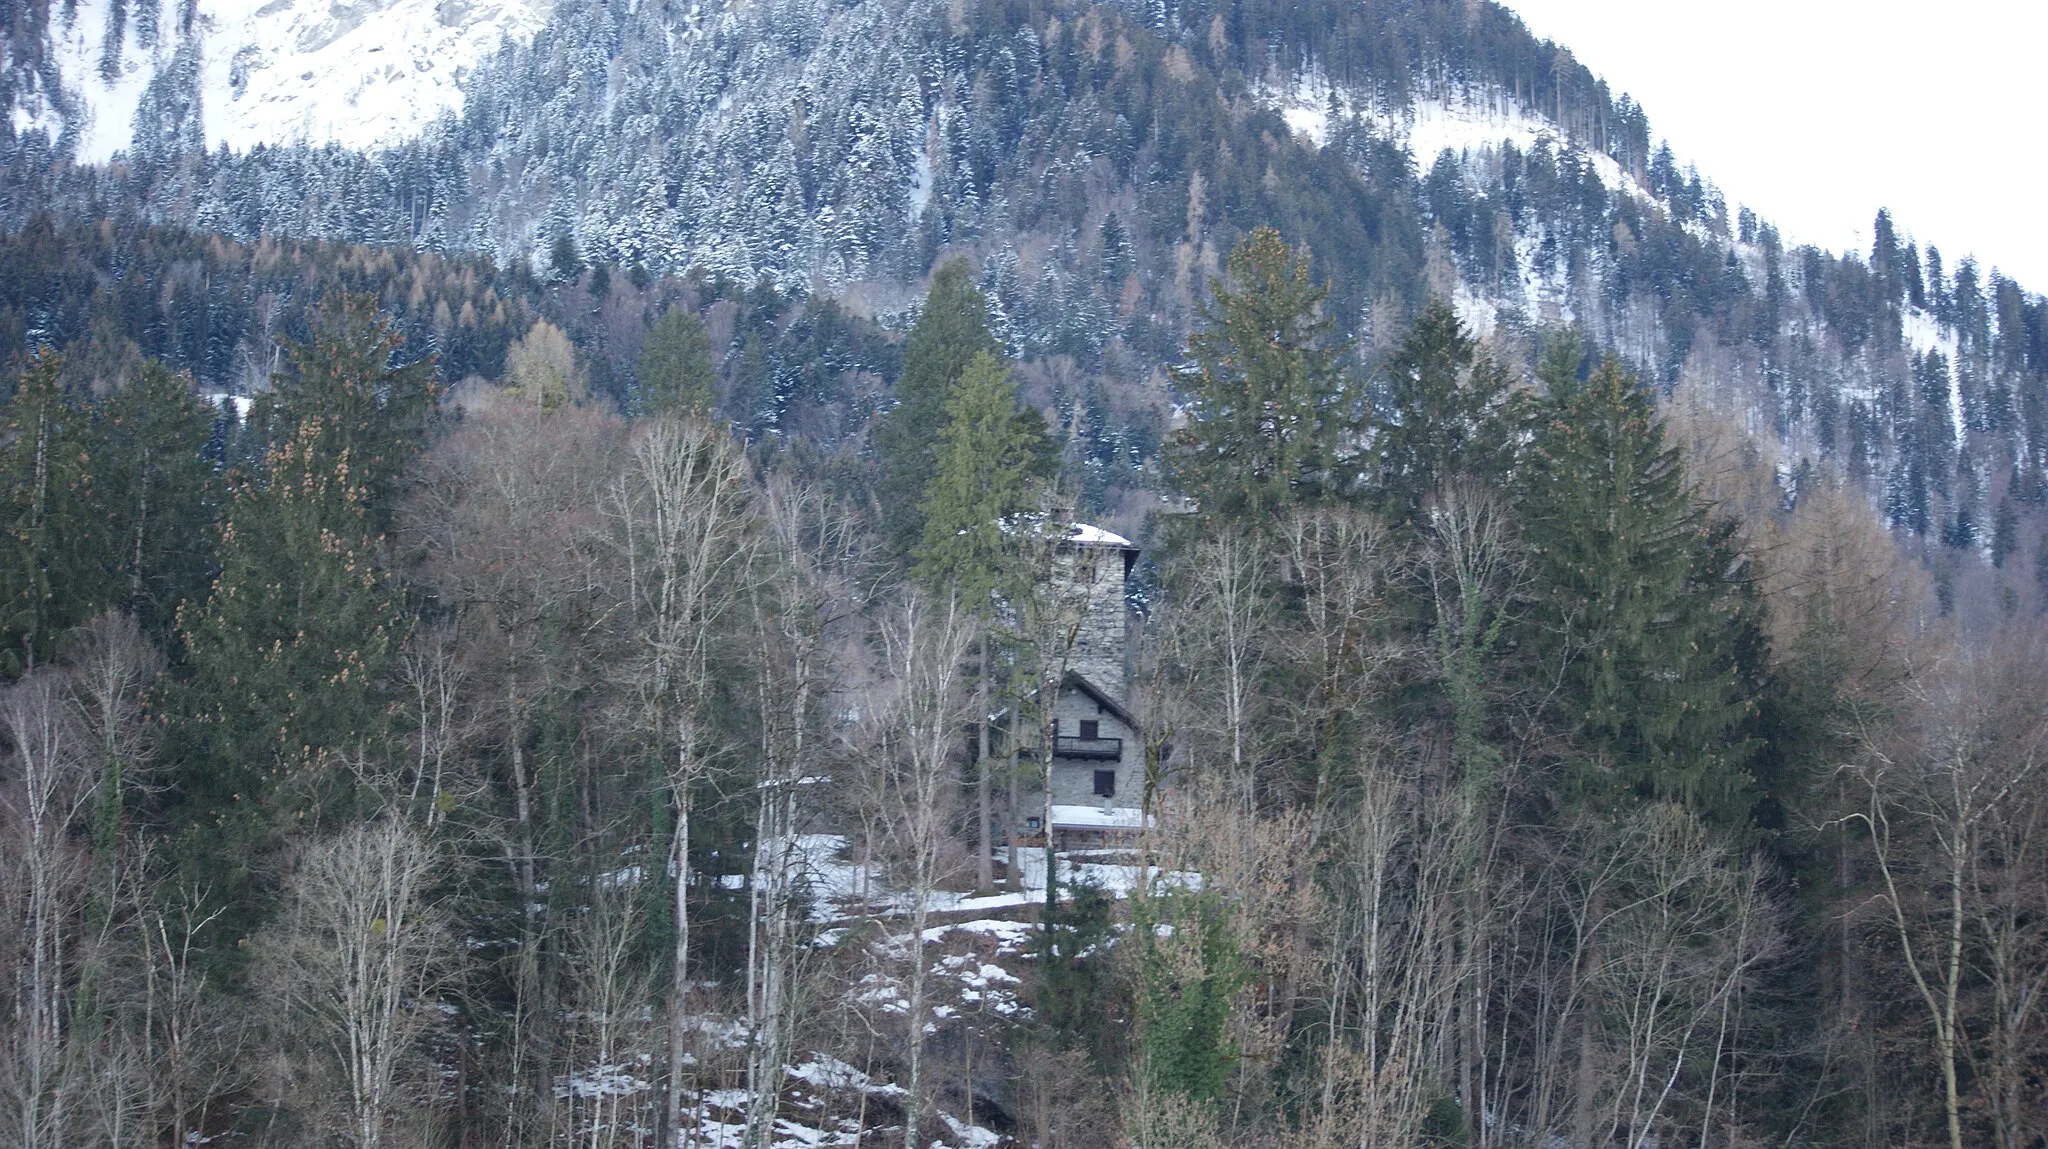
1097, 160
353, 72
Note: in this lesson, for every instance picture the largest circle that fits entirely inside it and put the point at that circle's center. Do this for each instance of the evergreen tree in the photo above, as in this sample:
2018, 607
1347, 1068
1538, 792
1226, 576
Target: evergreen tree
157, 489
344, 386
562, 257
56, 573
2041, 567
990, 454
1189, 970
2005, 530
1886, 260
284, 661
1447, 414
950, 332
1635, 588
1269, 412
676, 371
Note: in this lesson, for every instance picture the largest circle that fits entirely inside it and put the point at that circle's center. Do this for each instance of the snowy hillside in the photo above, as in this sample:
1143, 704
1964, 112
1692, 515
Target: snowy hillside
352, 72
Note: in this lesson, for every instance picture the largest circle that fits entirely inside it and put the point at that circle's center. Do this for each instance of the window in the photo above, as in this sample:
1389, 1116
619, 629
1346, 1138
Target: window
1105, 782
1091, 729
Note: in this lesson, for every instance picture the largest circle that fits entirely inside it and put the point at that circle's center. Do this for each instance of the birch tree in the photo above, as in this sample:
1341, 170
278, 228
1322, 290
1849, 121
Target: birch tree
686, 510
911, 746
1936, 804
363, 962
802, 608
45, 793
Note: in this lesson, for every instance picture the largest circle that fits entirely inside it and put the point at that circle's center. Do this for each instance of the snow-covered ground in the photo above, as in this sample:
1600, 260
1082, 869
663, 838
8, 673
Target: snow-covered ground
353, 72
843, 887
1466, 127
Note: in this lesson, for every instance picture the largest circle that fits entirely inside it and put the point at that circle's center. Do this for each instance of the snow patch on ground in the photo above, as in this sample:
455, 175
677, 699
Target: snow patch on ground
1468, 126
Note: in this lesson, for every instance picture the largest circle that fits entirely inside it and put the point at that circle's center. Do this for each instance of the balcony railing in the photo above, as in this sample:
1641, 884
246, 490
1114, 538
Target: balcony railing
1105, 749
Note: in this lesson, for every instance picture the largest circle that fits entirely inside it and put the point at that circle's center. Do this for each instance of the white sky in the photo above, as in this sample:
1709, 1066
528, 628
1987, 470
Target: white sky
1815, 113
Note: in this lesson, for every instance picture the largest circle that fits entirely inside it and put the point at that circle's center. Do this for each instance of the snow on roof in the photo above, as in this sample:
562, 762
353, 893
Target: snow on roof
1094, 536
1096, 818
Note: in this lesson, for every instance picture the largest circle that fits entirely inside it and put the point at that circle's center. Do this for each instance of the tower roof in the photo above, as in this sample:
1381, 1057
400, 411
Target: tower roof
1089, 535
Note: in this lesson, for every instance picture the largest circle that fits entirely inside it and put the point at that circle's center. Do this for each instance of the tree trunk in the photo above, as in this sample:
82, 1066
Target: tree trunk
984, 862
679, 971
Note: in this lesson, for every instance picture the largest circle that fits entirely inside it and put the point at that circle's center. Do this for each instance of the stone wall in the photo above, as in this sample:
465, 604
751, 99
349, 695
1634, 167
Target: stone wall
1073, 780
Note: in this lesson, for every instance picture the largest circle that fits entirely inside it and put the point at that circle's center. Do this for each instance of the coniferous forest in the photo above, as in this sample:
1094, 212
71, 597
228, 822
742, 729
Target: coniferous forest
561, 631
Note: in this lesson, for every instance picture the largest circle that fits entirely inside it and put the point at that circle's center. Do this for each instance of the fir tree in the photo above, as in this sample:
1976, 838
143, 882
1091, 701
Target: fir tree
950, 332
676, 371
1636, 587
1269, 410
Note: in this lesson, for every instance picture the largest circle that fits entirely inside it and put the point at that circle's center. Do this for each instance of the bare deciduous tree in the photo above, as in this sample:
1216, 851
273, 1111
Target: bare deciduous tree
687, 513
46, 792
362, 959
1940, 803
910, 742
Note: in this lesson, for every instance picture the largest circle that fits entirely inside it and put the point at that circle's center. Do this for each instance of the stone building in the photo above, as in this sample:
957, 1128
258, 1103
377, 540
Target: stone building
1094, 776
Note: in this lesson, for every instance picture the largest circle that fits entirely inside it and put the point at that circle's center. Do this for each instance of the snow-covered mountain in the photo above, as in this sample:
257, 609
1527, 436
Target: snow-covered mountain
1095, 160
352, 72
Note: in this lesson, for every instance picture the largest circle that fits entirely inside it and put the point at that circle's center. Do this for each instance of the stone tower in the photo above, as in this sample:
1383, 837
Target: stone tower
1096, 565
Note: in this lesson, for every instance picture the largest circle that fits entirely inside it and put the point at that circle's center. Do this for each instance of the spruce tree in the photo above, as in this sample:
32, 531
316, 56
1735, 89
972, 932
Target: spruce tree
2041, 567
1636, 590
950, 332
284, 662
1269, 412
1447, 414
56, 572
2005, 531
158, 492
992, 456
676, 371
360, 405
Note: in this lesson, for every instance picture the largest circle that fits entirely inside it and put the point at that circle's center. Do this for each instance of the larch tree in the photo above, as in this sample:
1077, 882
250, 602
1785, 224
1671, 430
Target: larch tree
543, 368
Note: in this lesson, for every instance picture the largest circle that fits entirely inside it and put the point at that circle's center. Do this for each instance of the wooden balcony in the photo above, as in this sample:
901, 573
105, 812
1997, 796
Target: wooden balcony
1093, 749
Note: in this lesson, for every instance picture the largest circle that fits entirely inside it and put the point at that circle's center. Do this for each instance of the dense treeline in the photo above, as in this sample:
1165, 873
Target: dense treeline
447, 764
1096, 163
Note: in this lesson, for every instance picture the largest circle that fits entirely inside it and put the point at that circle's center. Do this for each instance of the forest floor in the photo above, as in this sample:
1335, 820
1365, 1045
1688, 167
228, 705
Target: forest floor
842, 1084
